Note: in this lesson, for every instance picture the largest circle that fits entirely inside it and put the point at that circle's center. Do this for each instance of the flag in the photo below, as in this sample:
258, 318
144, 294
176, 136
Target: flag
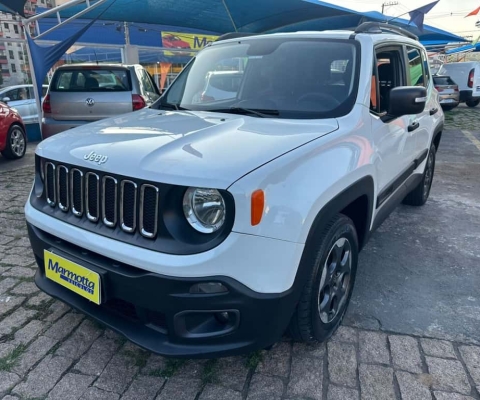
474, 12
417, 16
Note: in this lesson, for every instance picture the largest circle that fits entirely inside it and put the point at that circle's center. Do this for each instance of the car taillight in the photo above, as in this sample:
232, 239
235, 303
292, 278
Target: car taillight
455, 88
138, 102
47, 107
471, 77
439, 89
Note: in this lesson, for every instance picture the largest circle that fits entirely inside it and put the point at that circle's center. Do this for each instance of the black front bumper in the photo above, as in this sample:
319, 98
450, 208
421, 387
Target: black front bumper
160, 314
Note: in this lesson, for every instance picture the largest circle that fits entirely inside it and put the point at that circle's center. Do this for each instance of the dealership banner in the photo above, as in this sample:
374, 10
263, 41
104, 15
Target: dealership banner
187, 41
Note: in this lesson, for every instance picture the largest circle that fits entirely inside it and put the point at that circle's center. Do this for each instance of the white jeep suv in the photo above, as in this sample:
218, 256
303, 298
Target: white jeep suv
206, 229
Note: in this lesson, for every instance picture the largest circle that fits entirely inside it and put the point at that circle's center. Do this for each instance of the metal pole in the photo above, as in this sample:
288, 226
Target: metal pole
34, 80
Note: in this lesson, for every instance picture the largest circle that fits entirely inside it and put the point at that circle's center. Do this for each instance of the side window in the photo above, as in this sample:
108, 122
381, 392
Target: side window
12, 94
147, 84
388, 73
415, 67
426, 67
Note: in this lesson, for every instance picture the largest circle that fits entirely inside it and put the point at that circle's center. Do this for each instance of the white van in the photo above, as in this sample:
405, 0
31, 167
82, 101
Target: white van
467, 76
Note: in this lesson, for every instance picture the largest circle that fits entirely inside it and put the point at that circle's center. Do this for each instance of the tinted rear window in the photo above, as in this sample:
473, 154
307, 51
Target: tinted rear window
443, 80
91, 80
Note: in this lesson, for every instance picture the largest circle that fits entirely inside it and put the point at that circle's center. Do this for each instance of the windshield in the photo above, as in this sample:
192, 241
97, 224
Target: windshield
284, 78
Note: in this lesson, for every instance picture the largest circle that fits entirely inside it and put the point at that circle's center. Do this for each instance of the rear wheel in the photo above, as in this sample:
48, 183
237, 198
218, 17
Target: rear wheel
473, 103
16, 143
325, 297
419, 195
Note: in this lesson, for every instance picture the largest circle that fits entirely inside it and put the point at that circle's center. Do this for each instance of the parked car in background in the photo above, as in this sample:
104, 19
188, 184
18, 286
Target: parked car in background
22, 99
13, 140
447, 90
83, 93
467, 77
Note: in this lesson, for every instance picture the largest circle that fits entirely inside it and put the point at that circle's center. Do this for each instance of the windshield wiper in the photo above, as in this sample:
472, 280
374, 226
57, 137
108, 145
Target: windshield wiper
245, 111
172, 106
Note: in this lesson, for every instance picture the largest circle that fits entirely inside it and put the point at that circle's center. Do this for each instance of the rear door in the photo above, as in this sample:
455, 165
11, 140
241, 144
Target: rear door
90, 93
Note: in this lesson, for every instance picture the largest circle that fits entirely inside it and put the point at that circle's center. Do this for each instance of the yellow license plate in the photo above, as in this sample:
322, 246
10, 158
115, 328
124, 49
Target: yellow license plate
78, 279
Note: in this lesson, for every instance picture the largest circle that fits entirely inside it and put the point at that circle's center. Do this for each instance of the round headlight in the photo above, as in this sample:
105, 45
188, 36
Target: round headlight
204, 209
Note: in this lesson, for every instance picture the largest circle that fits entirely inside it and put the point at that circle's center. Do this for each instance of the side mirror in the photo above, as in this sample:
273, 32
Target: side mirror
407, 100
6, 99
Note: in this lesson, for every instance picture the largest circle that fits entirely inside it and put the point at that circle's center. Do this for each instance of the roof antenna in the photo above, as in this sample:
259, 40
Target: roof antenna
96, 58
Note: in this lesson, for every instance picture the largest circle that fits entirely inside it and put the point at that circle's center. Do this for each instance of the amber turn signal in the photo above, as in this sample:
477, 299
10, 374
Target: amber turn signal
258, 205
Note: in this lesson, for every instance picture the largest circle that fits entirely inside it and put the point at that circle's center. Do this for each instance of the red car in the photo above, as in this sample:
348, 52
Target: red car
13, 140
174, 42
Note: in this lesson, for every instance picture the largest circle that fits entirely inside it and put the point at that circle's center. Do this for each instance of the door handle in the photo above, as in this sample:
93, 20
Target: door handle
413, 126
433, 111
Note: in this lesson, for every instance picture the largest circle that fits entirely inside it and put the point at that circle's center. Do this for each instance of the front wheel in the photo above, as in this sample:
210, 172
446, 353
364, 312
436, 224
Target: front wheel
473, 103
333, 265
16, 143
419, 195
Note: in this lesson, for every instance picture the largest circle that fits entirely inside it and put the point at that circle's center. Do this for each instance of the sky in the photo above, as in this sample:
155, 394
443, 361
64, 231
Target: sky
448, 15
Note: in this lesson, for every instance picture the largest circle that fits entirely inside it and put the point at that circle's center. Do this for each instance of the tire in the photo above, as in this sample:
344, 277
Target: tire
316, 318
419, 195
16, 145
472, 103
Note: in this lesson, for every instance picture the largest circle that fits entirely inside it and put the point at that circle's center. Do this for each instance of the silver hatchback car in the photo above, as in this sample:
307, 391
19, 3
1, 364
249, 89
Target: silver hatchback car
83, 93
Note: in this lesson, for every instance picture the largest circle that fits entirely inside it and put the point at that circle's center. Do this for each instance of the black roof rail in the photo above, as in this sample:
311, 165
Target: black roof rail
234, 35
379, 27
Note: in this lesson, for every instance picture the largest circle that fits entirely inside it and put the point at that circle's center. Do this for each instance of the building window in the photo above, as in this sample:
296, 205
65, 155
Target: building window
5, 25
13, 67
10, 54
20, 55
15, 28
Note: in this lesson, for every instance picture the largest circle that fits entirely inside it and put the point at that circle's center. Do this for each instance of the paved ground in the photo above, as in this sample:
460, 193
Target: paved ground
418, 283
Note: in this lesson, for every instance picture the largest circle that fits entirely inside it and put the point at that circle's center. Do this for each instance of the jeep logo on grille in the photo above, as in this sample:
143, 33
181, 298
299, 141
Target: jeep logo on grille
97, 158
90, 102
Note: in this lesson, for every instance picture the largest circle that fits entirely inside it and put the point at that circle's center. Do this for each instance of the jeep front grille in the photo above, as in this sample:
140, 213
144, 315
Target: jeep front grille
103, 199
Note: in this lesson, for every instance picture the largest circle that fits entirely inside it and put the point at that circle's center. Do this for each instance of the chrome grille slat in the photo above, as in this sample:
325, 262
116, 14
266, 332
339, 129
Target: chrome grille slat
109, 196
76, 191
62, 188
50, 184
128, 211
149, 197
92, 196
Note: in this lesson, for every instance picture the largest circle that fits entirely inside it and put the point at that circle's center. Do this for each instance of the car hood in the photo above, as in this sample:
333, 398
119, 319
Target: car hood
182, 147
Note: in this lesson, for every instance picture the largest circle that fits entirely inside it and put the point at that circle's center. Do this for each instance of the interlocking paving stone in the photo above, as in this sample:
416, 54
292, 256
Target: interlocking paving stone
43, 378
6, 349
6, 284
62, 328
20, 272
80, 340
231, 372
438, 348
7, 381
412, 387
309, 350
144, 388
376, 382
9, 397
118, 374
8, 303
471, 356
191, 369
405, 353
34, 353
276, 361
57, 309
345, 334
71, 387
94, 393
155, 365
341, 393
6, 239
180, 388
373, 348
94, 361
212, 392
15, 320
17, 260
38, 299
29, 332
448, 375
306, 377
264, 387
451, 396
342, 364
25, 288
